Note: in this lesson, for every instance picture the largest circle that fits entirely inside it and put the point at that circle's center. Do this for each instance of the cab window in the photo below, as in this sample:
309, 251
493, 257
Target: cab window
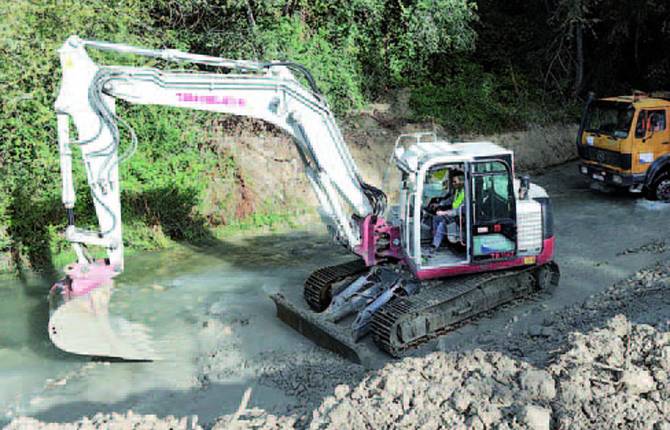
491, 192
611, 118
650, 121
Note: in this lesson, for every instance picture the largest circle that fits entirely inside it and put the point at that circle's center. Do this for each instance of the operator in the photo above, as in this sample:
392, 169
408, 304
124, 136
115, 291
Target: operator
448, 210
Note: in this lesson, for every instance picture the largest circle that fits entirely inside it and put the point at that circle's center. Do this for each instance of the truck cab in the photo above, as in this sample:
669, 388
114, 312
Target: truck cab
502, 222
625, 142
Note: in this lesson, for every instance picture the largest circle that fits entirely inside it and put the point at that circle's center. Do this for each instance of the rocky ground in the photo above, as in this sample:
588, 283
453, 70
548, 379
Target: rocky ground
604, 363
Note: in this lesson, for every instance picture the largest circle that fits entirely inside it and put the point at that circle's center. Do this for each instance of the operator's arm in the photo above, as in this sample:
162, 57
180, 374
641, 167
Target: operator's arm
452, 204
442, 204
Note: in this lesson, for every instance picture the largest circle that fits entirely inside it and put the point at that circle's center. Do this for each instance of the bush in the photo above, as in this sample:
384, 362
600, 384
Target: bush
30, 208
466, 99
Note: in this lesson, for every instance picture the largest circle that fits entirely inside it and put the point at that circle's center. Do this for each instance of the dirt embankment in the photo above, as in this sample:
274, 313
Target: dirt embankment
604, 363
269, 174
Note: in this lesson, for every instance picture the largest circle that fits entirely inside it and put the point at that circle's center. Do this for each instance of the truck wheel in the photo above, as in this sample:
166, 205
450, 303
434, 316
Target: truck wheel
662, 187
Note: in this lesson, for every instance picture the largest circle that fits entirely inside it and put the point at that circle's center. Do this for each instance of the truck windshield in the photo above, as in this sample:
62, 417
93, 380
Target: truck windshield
611, 118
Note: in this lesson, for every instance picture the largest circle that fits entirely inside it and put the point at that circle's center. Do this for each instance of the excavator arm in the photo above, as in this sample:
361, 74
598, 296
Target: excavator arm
266, 91
79, 320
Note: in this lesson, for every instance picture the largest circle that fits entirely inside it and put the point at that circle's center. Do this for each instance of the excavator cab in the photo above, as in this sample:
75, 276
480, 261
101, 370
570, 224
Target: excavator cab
481, 228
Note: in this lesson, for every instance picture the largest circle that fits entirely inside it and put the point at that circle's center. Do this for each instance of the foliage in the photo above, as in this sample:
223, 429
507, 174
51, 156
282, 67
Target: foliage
30, 208
353, 48
290, 39
470, 99
473, 66
621, 45
430, 31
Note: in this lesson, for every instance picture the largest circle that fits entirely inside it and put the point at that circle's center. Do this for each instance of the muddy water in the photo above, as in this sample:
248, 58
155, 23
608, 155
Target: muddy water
179, 294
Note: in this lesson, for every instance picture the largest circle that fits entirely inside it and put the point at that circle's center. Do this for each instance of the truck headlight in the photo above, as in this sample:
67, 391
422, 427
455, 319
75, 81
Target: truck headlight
584, 170
617, 179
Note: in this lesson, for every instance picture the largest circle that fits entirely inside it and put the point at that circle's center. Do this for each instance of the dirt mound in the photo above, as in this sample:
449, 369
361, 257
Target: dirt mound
443, 390
613, 377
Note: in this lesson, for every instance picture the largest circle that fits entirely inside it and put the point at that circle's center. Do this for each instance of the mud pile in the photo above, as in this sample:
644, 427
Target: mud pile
612, 377
615, 377
444, 390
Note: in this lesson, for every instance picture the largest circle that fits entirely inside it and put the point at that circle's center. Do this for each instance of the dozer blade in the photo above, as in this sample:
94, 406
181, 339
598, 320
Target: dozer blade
81, 324
321, 331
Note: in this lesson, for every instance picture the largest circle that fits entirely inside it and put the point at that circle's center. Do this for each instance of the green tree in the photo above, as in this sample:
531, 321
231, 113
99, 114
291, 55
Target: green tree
430, 31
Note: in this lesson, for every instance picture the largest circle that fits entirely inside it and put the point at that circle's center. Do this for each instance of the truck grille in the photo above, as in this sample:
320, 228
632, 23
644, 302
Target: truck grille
603, 156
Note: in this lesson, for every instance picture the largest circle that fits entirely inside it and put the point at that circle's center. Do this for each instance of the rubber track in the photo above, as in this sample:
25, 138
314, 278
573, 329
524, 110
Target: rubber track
387, 318
317, 286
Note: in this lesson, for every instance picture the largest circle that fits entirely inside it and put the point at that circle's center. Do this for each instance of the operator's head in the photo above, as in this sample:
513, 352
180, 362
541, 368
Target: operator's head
457, 180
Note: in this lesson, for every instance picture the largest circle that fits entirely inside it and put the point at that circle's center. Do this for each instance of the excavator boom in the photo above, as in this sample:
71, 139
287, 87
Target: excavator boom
268, 91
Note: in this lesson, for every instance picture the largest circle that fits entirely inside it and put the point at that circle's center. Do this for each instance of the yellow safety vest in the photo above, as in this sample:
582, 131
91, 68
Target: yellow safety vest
458, 200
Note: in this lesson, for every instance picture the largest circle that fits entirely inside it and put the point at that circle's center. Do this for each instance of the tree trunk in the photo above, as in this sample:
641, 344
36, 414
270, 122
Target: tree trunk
579, 56
250, 17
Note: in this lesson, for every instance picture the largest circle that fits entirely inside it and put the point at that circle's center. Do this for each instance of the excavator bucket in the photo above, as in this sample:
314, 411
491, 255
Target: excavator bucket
80, 322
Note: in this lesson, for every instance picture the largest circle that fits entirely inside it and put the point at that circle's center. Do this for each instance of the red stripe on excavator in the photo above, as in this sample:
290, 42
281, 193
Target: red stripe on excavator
545, 256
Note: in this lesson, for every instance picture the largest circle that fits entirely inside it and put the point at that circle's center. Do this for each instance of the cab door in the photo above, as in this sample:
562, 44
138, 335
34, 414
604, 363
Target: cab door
652, 138
493, 211
408, 216
409, 233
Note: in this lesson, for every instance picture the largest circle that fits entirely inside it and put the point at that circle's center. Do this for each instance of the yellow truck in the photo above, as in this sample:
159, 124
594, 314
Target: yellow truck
624, 142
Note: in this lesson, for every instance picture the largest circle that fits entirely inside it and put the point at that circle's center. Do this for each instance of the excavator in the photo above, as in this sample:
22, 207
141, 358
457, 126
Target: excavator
400, 290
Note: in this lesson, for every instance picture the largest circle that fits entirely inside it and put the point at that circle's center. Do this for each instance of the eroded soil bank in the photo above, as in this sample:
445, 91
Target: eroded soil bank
272, 175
